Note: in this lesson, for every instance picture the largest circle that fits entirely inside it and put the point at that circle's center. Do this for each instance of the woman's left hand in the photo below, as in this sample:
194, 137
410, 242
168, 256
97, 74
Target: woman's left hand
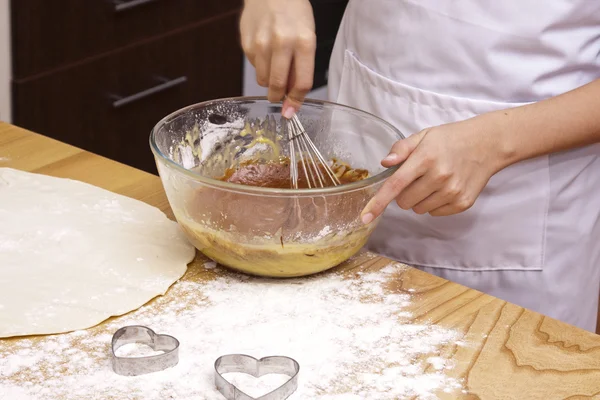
443, 169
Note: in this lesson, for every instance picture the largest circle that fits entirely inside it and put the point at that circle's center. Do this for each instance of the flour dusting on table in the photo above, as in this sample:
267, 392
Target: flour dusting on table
347, 334
136, 350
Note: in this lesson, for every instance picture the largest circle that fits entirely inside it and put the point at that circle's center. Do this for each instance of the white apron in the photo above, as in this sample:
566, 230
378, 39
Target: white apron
533, 236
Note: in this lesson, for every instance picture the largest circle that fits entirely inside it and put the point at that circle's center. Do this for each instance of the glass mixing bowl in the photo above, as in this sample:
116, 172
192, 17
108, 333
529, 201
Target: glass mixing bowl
259, 230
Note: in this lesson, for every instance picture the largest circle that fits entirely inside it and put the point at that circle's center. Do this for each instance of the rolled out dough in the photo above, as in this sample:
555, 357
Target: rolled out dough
72, 254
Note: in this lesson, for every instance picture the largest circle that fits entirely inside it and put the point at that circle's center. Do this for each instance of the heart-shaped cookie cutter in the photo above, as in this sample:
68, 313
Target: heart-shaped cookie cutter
257, 368
132, 366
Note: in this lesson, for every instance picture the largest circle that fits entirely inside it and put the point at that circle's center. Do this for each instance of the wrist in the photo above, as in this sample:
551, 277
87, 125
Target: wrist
504, 139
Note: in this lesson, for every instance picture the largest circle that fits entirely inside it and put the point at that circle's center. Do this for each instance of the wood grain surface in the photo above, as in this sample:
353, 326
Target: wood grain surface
513, 353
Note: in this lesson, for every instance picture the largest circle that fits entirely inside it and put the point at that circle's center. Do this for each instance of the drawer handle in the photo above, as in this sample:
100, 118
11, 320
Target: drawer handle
166, 84
121, 5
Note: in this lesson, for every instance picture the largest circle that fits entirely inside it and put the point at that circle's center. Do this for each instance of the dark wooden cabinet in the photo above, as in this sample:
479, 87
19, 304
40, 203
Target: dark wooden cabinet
81, 106
51, 34
100, 79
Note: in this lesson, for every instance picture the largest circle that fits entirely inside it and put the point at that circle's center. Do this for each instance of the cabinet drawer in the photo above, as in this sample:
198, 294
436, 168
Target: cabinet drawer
49, 34
109, 106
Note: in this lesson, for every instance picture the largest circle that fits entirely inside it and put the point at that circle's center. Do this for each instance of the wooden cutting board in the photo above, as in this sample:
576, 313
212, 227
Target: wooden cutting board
513, 353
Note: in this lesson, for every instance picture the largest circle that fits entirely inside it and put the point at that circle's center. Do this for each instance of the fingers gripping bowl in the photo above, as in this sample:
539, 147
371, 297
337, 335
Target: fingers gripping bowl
259, 227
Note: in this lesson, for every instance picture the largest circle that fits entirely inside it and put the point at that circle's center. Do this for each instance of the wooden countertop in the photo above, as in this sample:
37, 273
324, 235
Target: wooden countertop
514, 353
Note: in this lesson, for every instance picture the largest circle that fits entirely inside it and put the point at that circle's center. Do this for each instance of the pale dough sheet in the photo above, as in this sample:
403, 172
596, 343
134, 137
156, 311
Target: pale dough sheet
72, 254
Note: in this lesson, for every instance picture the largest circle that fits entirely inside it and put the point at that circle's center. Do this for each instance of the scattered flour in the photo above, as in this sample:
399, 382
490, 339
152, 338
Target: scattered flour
136, 350
347, 334
324, 232
213, 135
437, 363
210, 265
206, 137
257, 387
187, 157
258, 148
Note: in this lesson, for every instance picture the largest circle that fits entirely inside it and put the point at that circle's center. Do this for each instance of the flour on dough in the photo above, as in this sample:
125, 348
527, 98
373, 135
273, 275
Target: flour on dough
73, 255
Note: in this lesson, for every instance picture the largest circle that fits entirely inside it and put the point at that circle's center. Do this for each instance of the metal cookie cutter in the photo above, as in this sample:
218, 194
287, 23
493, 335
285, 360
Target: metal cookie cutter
132, 366
257, 368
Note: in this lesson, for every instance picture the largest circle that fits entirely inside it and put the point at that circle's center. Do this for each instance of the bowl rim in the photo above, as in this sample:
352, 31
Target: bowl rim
247, 189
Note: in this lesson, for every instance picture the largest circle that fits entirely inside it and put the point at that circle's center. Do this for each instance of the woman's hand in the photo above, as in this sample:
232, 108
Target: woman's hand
278, 37
444, 168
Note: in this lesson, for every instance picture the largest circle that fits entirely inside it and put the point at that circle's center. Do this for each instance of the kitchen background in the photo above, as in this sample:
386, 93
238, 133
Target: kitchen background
98, 74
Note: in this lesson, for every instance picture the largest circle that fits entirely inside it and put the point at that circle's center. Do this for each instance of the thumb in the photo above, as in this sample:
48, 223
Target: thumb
402, 149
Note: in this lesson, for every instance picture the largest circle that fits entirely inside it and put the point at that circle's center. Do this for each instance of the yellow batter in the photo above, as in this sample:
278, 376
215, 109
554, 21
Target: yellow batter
270, 258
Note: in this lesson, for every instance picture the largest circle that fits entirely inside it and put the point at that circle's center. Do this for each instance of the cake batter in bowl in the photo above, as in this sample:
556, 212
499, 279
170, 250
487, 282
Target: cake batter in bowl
225, 168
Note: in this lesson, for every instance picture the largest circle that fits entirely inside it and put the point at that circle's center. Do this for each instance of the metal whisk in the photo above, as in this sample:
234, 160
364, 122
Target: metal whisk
304, 152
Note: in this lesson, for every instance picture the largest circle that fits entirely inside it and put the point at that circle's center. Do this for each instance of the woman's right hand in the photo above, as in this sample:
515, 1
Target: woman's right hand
278, 37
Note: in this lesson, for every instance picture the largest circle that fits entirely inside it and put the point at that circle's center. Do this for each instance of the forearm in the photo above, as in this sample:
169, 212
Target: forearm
560, 123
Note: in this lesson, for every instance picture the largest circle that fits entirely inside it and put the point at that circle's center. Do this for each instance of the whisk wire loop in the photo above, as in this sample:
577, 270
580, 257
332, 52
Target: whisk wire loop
315, 168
